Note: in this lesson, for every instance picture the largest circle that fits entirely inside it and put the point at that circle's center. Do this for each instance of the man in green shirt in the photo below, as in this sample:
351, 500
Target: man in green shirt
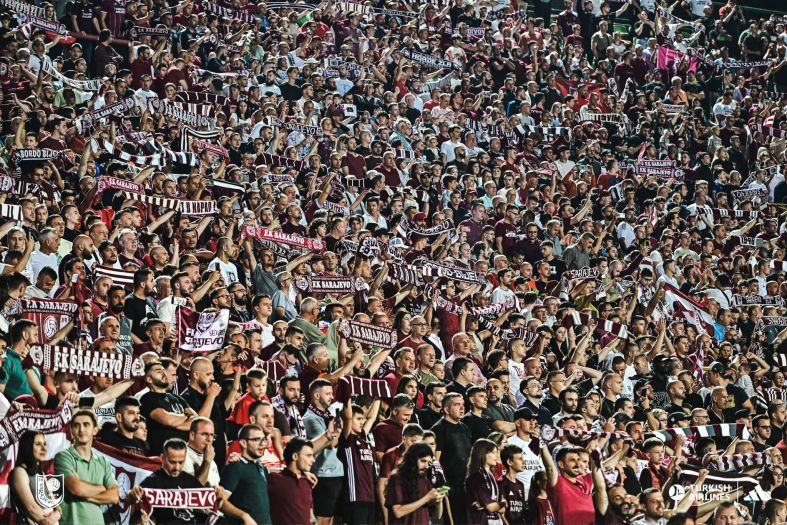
88, 476
310, 313
247, 480
23, 334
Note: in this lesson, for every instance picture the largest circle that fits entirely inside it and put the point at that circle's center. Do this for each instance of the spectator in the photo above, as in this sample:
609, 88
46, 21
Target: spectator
88, 477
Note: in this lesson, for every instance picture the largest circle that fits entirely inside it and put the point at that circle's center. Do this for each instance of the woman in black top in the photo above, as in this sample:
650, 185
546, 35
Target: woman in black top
27, 477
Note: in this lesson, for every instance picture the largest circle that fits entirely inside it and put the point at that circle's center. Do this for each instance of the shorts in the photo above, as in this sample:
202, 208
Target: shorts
326, 496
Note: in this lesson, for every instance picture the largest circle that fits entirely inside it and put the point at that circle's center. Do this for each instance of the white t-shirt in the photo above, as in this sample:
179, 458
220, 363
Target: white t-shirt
533, 462
516, 372
228, 271
194, 460
105, 413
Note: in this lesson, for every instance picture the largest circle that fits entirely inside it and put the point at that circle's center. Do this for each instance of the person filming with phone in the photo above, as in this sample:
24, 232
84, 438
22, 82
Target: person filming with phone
409, 495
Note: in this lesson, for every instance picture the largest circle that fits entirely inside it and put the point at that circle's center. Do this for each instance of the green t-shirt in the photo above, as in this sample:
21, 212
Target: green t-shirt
14, 377
97, 471
248, 483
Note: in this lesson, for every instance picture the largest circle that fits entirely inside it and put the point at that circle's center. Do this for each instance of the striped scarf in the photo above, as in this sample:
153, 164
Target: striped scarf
548, 433
194, 208
271, 160
11, 211
717, 430
152, 160
579, 319
741, 461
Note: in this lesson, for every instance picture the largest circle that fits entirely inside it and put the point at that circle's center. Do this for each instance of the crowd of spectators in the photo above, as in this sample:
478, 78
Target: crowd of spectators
572, 220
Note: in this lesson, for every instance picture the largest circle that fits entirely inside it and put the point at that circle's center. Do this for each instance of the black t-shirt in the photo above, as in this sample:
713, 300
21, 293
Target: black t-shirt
158, 433
217, 414
162, 480
132, 446
453, 443
291, 93
478, 425
136, 311
428, 417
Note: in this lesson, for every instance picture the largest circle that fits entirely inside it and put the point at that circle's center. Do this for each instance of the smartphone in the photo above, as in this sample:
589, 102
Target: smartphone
445, 489
75, 278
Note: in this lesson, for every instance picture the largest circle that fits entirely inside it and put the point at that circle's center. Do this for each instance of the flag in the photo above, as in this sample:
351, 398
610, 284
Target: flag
130, 470
684, 306
55, 443
121, 277
667, 59
50, 315
698, 361
201, 331
570, 87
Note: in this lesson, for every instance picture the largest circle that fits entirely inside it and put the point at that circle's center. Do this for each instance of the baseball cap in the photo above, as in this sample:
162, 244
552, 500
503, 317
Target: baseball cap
676, 417
524, 413
717, 367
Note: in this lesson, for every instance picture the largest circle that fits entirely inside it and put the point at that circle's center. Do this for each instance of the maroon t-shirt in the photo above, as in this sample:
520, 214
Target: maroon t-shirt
514, 493
292, 498
398, 493
358, 460
386, 434
481, 488
503, 229
475, 230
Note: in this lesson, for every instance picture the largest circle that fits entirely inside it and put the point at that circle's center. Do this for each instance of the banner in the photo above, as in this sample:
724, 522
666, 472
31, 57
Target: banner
330, 284
294, 126
16, 186
770, 320
368, 334
170, 110
427, 60
407, 228
18, 6
42, 23
114, 183
50, 315
138, 31
24, 155
118, 366
667, 59
47, 421
81, 85
201, 331
130, 470
180, 498
745, 300
139, 160
291, 239
88, 121
740, 195
198, 208
582, 273
454, 272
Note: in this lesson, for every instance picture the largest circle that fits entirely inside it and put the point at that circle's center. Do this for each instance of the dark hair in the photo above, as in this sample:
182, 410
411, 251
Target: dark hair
246, 430
508, 452
124, 402
294, 446
478, 453
173, 444
24, 457
408, 468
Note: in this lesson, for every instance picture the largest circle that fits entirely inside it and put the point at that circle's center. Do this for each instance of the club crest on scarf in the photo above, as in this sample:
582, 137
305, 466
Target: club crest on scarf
49, 490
